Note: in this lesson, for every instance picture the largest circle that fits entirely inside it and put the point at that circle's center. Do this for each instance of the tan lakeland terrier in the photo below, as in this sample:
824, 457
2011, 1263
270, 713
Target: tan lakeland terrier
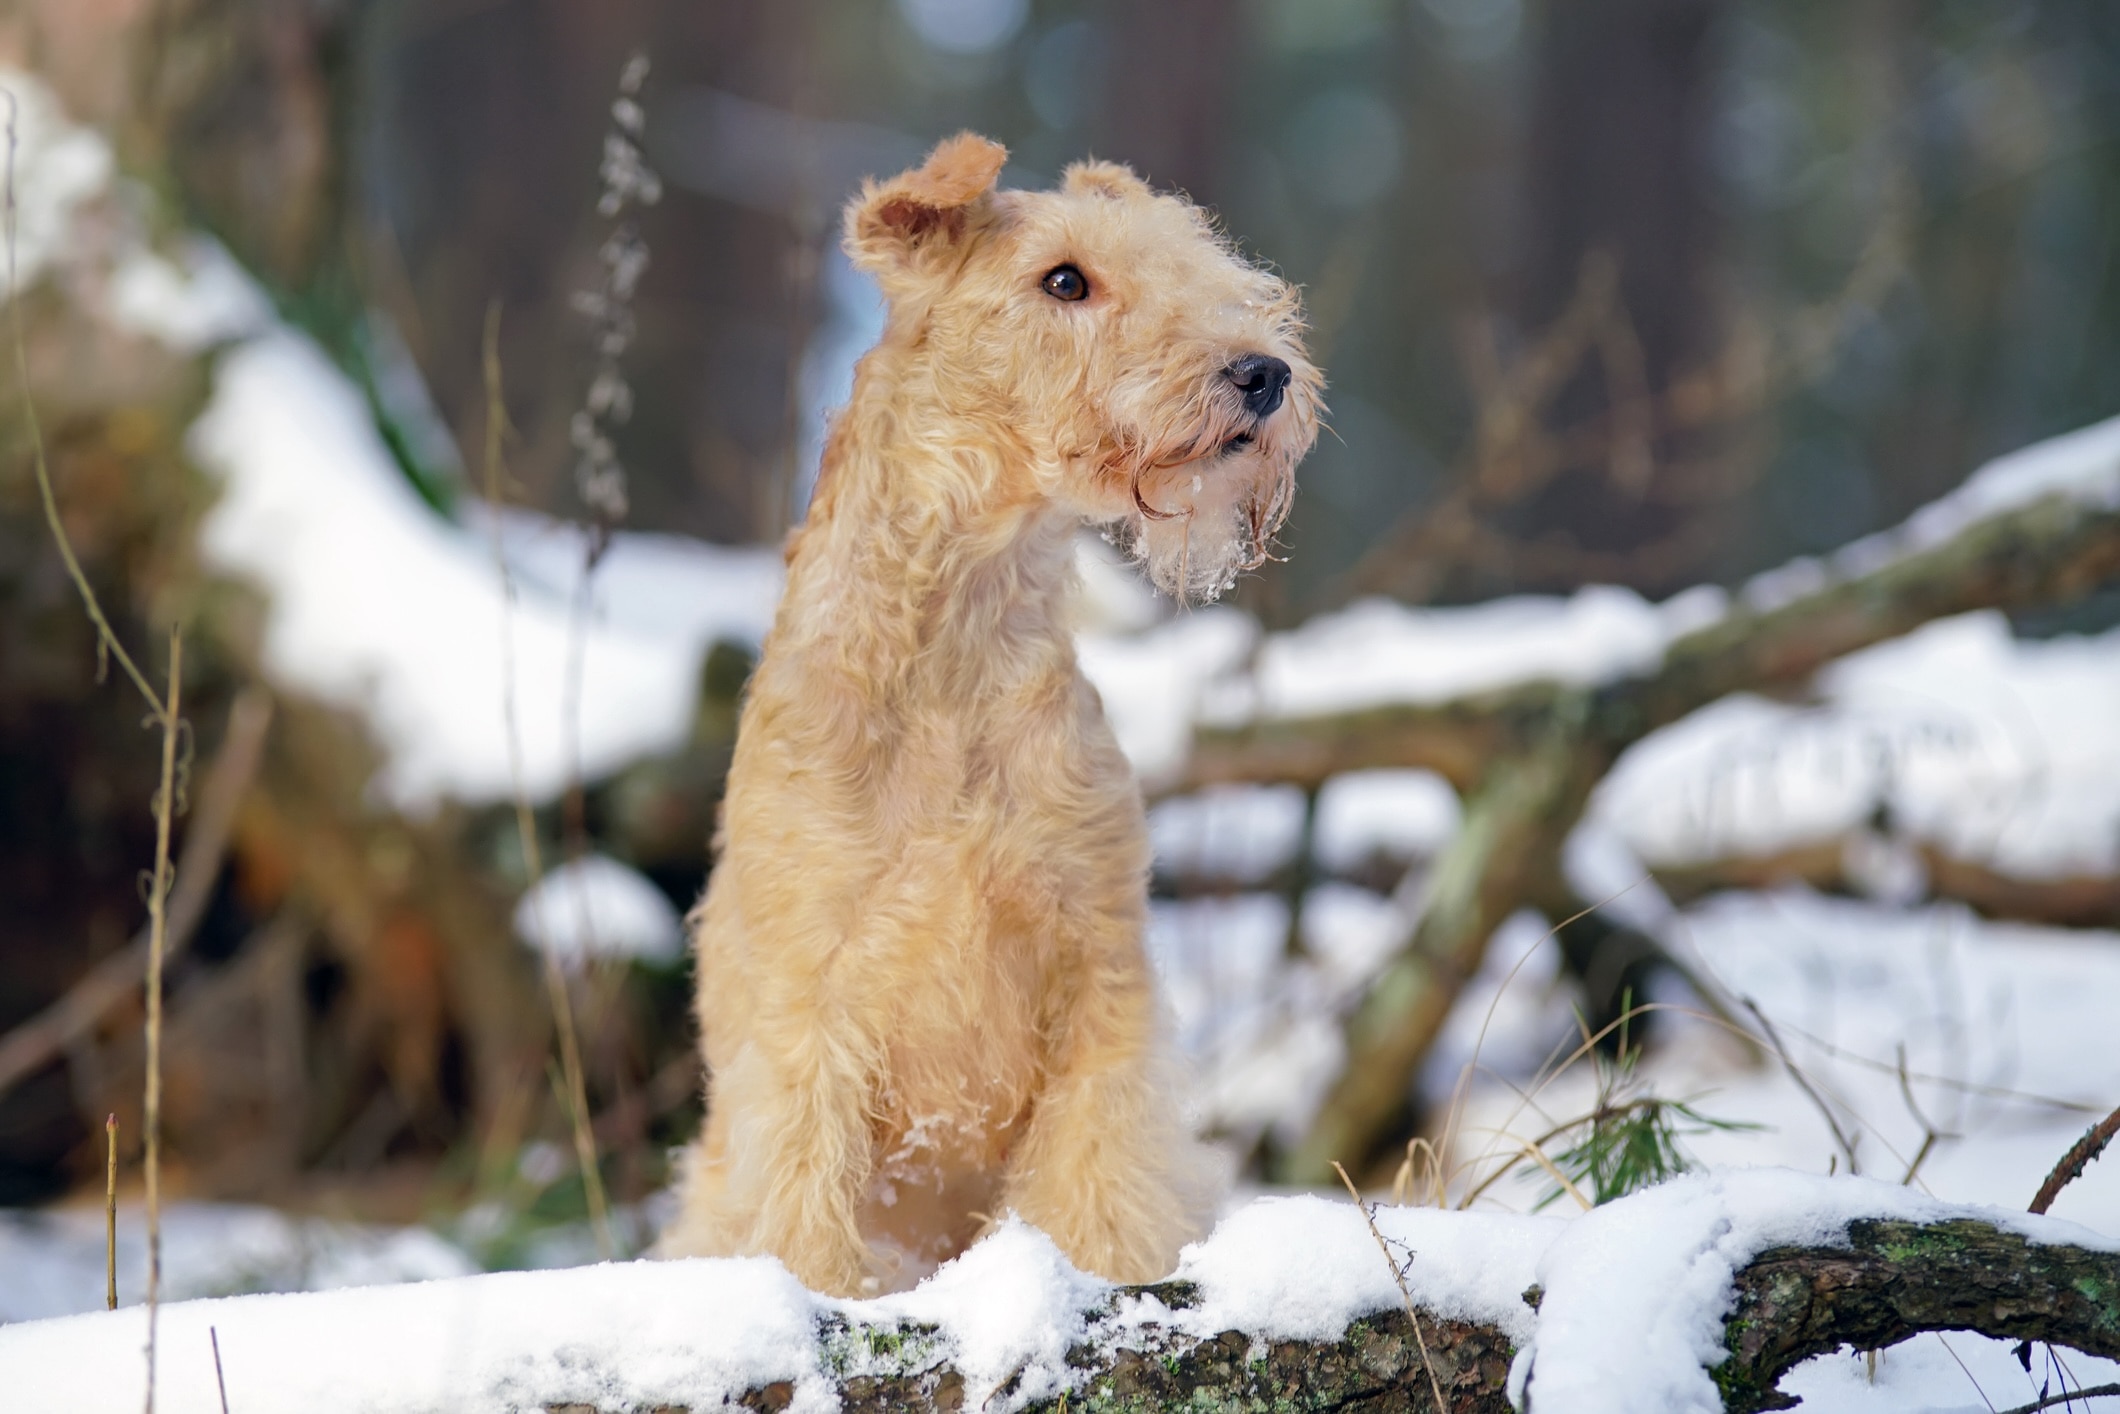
922, 991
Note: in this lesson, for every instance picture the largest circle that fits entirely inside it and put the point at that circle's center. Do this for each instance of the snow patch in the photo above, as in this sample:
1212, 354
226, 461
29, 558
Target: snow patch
380, 605
1377, 651
1236, 832
1406, 814
57, 167
1152, 682
1999, 750
1304, 1267
1012, 1305
198, 300
598, 907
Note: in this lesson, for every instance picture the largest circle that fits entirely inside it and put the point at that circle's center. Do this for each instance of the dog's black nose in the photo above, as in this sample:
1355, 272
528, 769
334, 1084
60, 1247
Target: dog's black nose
1262, 379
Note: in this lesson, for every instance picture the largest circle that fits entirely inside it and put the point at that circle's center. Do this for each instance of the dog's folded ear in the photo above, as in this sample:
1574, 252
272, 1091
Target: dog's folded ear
894, 225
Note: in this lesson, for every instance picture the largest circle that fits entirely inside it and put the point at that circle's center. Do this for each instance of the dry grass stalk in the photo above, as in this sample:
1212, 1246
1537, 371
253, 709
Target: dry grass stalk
525, 824
1398, 1277
158, 921
110, 1213
162, 713
107, 644
1537, 1155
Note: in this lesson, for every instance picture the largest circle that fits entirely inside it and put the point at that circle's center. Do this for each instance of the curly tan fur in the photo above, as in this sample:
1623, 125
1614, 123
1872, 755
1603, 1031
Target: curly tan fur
922, 991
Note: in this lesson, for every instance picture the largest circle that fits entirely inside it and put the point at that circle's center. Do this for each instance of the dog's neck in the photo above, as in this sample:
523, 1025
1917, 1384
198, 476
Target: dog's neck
931, 557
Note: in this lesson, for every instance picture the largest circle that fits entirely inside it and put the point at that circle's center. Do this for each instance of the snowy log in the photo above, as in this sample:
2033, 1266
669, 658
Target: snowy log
1693, 1295
1893, 1279
1530, 757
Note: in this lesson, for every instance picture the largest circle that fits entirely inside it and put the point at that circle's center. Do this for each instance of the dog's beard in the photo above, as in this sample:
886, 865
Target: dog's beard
1205, 504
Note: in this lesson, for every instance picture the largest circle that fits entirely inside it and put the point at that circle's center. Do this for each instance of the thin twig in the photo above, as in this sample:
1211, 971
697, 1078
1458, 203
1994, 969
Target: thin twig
1803, 1083
525, 823
1963, 1087
1967, 1370
107, 644
2066, 1397
163, 714
2076, 1160
220, 1380
1930, 1134
110, 1213
1398, 1276
157, 924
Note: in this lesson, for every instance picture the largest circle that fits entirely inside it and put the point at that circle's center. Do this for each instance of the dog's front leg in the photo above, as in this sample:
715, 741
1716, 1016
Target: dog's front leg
1107, 1168
799, 1151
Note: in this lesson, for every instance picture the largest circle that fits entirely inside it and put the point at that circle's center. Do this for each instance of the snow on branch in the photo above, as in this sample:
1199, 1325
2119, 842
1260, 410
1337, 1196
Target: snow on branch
2037, 528
1696, 1295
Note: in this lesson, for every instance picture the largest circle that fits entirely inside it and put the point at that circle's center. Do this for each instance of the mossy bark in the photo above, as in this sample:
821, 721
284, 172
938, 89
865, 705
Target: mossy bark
1897, 1279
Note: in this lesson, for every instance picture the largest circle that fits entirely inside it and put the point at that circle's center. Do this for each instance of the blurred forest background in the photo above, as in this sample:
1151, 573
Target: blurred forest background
1650, 293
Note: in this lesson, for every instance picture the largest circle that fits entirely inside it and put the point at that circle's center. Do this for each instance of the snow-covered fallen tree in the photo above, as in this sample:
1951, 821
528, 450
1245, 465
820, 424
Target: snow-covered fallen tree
1695, 1295
2037, 528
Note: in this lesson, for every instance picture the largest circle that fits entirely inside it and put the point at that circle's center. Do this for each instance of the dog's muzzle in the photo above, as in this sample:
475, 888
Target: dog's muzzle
1261, 379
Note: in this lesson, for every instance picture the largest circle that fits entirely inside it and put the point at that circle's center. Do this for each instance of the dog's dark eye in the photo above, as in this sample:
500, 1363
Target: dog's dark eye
1065, 282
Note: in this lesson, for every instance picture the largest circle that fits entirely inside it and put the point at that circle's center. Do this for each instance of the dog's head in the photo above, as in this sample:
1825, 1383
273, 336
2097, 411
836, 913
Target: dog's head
1157, 379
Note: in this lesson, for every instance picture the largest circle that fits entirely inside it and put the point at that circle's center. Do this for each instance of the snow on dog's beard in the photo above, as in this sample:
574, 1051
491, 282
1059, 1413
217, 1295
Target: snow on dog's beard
1209, 493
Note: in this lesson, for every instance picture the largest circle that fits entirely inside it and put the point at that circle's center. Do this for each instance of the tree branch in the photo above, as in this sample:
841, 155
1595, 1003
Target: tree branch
1897, 1279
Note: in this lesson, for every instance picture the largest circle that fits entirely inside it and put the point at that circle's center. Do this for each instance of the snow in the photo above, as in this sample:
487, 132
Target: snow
1011, 1304
1152, 682
1241, 833
2001, 1030
1304, 1267
1377, 651
2000, 751
2081, 466
1633, 1295
597, 907
657, 586
1403, 814
379, 604
54, 1261
630, 1334
57, 167
199, 299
